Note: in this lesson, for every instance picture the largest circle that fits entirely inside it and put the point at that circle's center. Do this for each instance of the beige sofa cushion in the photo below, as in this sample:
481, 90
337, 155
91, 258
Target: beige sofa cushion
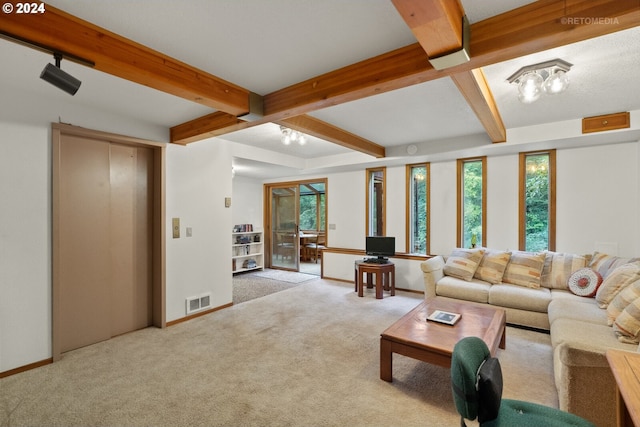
617, 280
524, 269
492, 266
598, 339
474, 290
462, 263
513, 296
583, 309
558, 267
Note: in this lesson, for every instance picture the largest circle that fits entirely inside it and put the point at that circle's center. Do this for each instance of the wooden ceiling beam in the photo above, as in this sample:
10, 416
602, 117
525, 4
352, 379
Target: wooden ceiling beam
56, 30
437, 24
318, 128
535, 27
473, 86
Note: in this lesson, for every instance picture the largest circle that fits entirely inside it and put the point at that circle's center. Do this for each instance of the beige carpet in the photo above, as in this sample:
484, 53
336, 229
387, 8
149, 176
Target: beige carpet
305, 356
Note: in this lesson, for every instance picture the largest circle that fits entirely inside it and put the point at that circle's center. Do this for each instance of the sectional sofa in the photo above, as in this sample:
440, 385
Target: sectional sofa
588, 303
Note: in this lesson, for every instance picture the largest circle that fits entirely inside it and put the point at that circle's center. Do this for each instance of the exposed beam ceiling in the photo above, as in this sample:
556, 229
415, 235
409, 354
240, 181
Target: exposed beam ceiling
532, 28
59, 31
535, 27
438, 27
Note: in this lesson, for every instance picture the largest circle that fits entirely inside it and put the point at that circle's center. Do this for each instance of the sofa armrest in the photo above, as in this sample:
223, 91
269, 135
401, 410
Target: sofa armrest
582, 355
432, 270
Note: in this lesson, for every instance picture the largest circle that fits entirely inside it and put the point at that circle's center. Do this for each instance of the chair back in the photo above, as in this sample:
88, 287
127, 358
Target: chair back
468, 355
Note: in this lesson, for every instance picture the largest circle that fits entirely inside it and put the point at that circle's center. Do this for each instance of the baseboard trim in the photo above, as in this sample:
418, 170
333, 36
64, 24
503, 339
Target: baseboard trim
25, 368
195, 315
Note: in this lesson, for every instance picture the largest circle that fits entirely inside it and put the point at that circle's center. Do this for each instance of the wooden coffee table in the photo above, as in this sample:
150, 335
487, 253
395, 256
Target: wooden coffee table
432, 342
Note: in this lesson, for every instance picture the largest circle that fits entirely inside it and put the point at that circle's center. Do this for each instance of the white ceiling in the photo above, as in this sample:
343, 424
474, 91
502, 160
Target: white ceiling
264, 46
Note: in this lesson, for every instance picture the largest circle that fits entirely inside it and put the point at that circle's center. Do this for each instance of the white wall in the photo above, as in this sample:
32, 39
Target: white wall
246, 202
198, 179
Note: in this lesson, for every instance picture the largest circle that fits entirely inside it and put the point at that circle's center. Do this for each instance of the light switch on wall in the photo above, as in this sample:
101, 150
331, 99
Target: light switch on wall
176, 228
189, 231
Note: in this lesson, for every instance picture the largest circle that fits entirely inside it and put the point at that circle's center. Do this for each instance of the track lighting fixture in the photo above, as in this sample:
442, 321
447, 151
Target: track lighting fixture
290, 135
60, 79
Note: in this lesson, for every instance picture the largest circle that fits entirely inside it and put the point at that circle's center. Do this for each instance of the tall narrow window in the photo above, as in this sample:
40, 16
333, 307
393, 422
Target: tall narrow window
537, 228
375, 221
472, 207
418, 208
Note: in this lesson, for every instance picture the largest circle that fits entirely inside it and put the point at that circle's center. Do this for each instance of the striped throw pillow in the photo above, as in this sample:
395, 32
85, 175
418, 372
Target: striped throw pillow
605, 264
492, 266
617, 280
622, 300
558, 267
524, 269
627, 324
462, 263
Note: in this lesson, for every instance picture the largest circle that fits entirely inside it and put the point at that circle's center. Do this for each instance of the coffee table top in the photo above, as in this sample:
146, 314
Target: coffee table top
414, 330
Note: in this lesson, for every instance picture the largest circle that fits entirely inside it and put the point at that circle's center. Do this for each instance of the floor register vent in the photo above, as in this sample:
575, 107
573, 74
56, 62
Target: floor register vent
199, 303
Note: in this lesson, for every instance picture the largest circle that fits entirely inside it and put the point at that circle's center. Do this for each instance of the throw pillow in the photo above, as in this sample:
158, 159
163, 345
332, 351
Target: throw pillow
492, 266
524, 269
627, 324
462, 263
617, 280
605, 264
622, 300
558, 267
585, 282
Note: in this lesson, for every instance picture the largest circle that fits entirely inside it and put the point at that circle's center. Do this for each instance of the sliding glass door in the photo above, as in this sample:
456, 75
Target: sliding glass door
284, 226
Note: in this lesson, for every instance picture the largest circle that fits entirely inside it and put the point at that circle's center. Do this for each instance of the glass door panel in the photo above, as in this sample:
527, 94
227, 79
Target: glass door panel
285, 241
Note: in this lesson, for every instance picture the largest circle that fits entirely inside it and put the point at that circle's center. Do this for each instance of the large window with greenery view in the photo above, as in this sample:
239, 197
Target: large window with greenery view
472, 202
376, 203
418, 208
312, 206
537, 201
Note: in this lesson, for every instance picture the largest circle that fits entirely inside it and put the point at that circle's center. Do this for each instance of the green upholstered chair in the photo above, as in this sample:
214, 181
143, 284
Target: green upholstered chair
468, 355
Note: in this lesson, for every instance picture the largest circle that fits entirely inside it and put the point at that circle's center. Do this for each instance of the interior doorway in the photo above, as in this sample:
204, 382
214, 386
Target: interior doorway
295, 219
108, 253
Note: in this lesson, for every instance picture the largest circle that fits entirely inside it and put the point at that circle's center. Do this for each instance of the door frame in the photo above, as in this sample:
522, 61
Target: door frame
158, 251
267, 212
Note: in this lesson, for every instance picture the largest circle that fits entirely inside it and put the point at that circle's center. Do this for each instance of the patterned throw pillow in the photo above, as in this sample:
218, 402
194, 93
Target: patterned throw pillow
524, 269
558, 267
627, 324
617, 280
492, 266
462, 263
606, 264
622, 300
585, 282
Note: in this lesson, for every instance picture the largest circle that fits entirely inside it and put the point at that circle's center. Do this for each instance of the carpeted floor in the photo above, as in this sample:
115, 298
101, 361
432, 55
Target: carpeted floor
304, 356
248, 286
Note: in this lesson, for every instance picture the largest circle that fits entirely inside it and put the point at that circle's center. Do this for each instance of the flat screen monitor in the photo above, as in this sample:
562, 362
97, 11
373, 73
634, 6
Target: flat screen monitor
381, 246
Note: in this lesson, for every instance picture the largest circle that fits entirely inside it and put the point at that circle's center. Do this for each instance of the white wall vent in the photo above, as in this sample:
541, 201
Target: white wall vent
199, 303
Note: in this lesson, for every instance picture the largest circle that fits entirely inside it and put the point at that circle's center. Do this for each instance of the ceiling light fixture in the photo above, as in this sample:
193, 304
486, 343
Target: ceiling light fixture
290, 135
60, 79
549, 77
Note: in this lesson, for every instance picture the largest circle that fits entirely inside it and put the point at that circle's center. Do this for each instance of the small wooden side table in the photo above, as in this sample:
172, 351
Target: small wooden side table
625, 366
385, 277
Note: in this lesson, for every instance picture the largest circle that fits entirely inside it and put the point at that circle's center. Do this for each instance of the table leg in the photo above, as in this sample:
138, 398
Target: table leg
360, 284
379, 285
393, 281
369, 280
386, 360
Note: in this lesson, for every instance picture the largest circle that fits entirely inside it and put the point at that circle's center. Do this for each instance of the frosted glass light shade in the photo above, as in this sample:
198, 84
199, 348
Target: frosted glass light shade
530, 88
556, 83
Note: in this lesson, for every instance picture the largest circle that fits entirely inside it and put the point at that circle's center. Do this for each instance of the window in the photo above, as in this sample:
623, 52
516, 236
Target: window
537, 224
375, 202
418, 208
472, 202
312, 206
